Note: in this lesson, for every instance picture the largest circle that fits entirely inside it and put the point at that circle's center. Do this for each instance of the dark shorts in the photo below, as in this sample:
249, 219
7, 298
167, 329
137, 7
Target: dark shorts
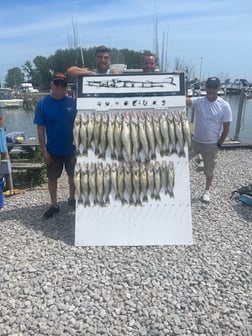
58, 163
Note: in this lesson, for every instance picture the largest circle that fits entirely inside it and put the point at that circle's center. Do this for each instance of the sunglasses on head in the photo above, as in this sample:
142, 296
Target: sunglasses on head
212, 86
58, 82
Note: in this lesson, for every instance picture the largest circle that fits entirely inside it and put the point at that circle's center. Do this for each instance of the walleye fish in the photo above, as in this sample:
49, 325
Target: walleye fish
90, 128
107, 183
77, 182
126, 137
135, 136
92, 182
143, 181
172, 135
76, 131
103, 136
114, 179
83, 134
143, 137
186, 129
179, 135
157, 132
120, 182
165, 133
136, 183
97, 132
157, 179
84, 183
100, 183
118, 136
171, 178
151, 181
164, 176
151, 135
128, 182
111, 135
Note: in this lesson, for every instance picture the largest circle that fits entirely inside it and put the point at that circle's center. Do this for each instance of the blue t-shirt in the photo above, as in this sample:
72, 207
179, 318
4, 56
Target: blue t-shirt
57, 116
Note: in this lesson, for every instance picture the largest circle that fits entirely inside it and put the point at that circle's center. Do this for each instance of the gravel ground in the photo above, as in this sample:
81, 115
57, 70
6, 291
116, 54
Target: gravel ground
50, 287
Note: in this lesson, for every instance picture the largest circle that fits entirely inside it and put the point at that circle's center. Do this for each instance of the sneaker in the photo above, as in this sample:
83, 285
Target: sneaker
51, 212
71, 202
206, 196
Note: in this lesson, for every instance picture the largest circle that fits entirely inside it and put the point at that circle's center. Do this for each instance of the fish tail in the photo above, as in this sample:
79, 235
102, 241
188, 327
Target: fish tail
182, 153
123, 201
138, 202
107, 200
145, 198
131, 201
153, 156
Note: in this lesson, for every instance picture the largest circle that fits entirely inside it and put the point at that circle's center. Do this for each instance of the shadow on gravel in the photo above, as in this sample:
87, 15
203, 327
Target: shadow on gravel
60, 227
242, 210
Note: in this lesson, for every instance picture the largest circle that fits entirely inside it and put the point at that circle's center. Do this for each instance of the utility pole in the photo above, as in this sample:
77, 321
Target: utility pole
239, 115
201, 61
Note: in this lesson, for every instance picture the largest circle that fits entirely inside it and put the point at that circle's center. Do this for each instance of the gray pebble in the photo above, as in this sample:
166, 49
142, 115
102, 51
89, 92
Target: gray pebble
50, 287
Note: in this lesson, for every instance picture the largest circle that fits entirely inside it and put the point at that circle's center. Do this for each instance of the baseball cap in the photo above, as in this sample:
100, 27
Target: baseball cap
59, 76
213, 81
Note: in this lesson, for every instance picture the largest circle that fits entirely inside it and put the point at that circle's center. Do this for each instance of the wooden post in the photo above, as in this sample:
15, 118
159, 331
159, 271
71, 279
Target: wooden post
239, 115
7, 157
9, 178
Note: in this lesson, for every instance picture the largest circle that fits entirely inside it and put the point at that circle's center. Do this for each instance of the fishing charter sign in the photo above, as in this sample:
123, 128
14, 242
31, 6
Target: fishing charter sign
138, 91
132, 171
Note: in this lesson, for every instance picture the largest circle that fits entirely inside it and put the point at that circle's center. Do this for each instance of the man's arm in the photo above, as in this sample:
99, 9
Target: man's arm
41, 139
75, 71
188, 101
225, 131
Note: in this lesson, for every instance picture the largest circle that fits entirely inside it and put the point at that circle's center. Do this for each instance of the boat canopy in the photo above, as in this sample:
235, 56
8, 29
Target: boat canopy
6, 93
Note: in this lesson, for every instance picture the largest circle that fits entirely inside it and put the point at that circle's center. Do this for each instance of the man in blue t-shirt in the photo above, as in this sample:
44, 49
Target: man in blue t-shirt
54, 117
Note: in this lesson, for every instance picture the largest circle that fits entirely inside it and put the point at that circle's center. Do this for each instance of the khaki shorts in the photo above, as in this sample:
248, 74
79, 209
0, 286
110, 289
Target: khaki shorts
209, 153
58, 162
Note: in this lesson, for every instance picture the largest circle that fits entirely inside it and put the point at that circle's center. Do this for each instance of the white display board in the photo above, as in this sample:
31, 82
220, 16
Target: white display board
138, 91
156, 222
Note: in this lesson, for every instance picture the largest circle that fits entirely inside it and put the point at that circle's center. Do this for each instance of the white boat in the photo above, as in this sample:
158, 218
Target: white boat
7, 100
199, 89
237, 86
221, 92
189, 92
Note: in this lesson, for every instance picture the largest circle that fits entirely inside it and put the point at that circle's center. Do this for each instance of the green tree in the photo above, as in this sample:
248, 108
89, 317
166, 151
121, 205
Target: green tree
39, 71
63, 59
42, 75
133, 59
14, 77
28, 70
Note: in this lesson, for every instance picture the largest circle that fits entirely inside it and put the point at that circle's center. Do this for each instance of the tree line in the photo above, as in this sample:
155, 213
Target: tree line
40, 70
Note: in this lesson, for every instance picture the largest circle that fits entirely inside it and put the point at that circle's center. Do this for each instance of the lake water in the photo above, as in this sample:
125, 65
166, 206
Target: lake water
21, 120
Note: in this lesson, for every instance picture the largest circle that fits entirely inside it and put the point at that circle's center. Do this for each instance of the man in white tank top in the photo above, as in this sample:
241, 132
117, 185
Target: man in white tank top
212, 119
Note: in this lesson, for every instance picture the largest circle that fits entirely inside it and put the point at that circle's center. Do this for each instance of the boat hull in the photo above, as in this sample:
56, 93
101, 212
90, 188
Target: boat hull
9, 103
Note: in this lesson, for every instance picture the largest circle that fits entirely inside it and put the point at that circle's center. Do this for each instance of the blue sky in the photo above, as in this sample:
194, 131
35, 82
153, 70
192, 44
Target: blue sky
212, 35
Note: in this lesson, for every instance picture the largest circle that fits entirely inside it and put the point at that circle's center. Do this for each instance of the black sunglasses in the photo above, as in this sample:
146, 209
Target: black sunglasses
58, 82
214, 86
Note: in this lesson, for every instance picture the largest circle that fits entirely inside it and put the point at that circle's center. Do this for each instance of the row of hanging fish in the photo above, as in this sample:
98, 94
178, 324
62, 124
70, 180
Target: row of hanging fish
132, 136
130, 183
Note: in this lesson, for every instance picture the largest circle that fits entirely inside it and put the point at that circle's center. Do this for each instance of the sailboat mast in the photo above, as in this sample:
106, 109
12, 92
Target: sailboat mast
155, 46
76, 32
